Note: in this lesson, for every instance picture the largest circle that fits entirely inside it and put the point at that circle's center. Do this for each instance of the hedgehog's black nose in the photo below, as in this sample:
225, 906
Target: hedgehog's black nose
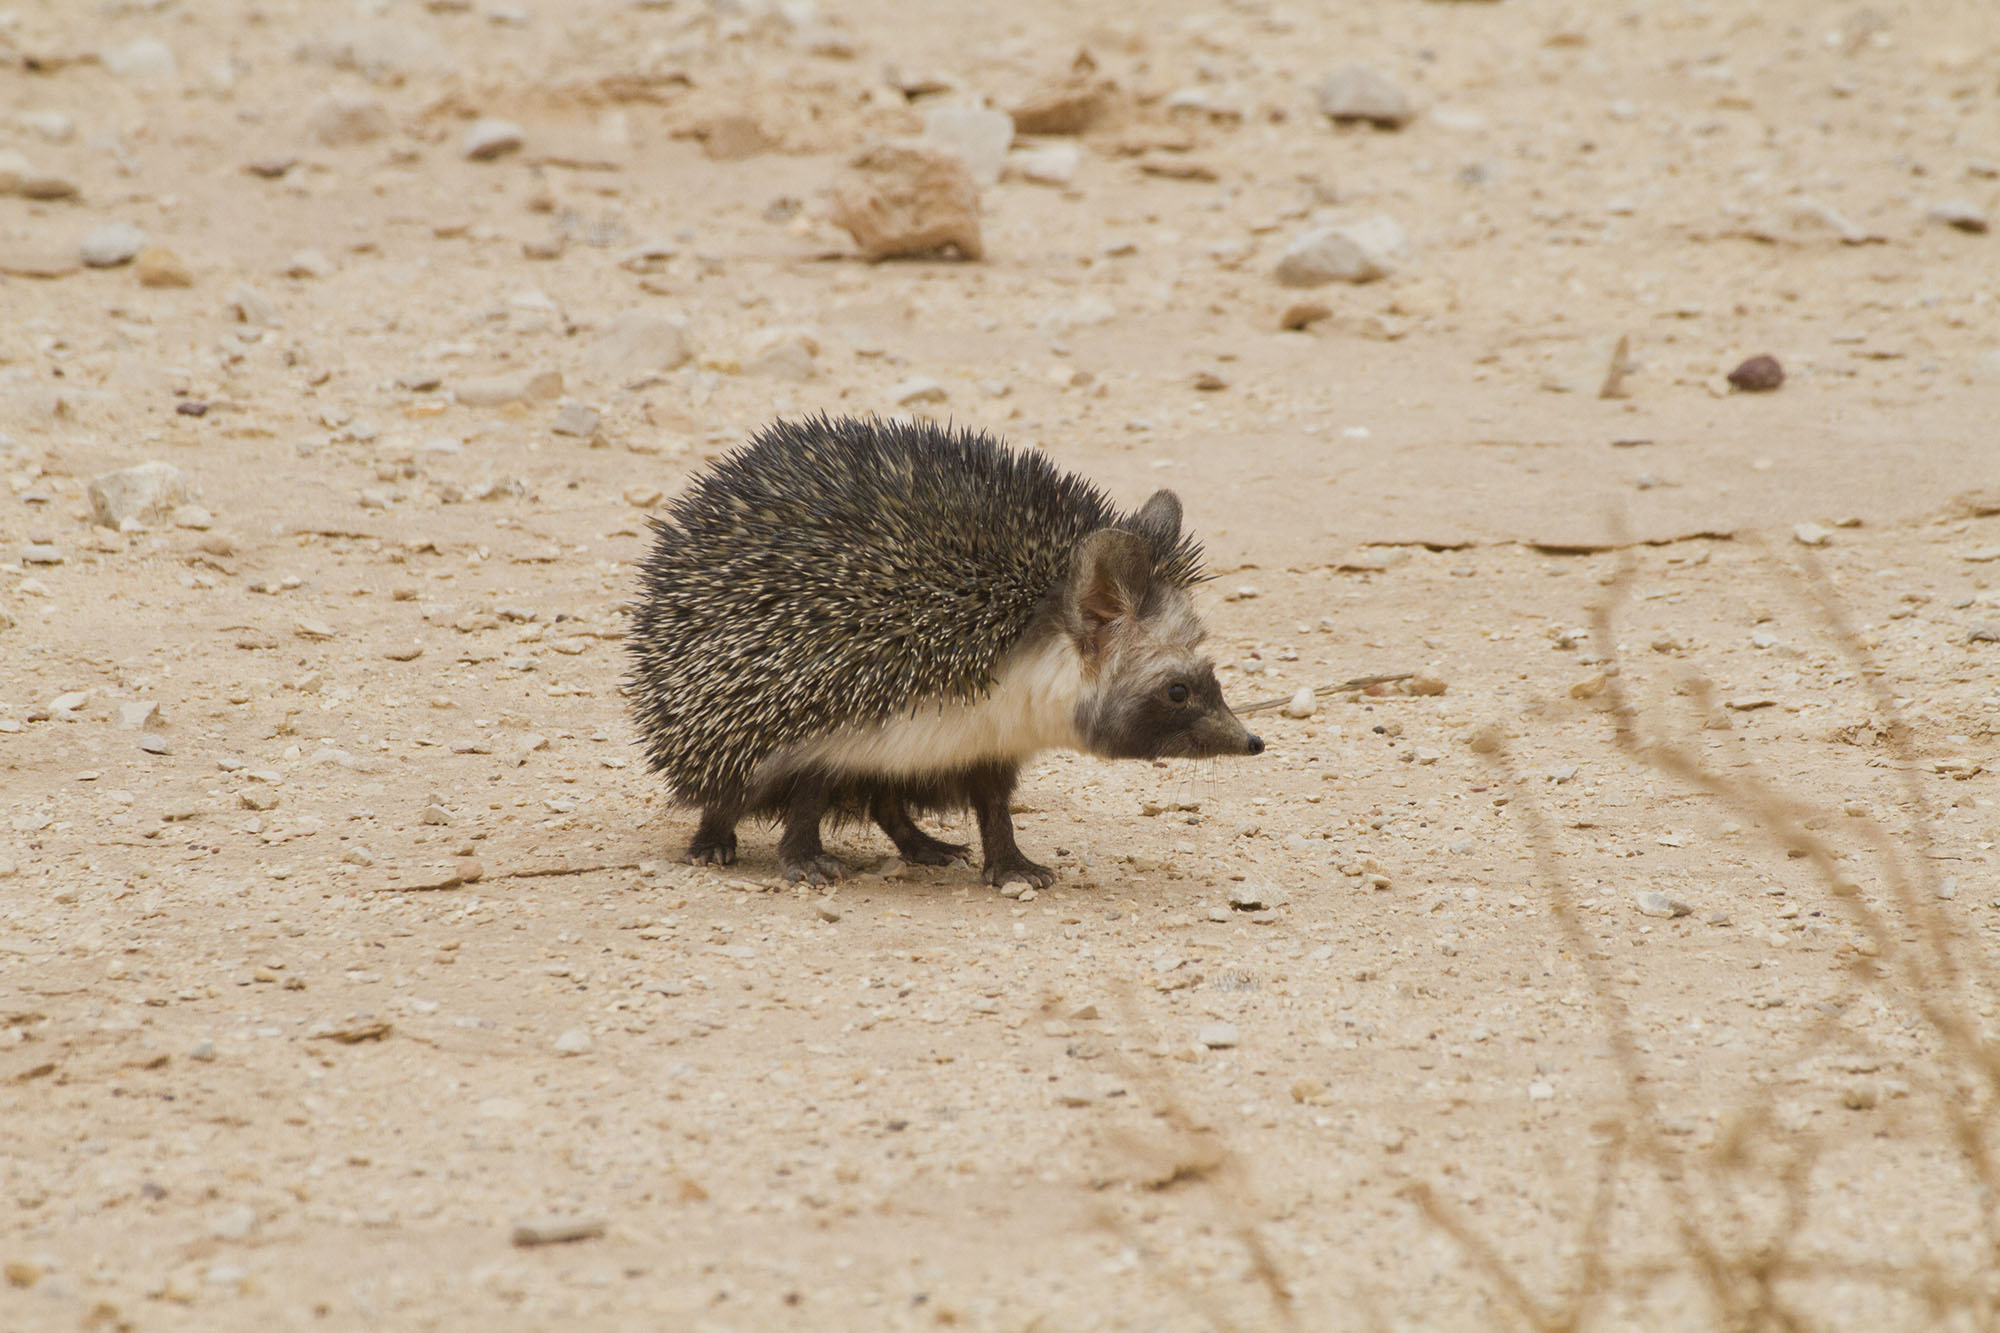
1255, 745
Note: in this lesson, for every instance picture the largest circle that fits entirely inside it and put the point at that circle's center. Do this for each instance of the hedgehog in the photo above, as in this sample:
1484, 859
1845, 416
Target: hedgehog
875, 619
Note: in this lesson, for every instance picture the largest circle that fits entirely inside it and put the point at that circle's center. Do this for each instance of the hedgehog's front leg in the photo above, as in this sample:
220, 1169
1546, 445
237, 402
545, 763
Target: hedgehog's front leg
992, 791
715, 839
800, 855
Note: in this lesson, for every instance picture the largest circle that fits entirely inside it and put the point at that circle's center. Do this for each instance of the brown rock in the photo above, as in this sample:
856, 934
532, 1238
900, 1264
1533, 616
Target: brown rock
733, 137
1067, 106
1304, 314
158, 266
1760, 374
905, 200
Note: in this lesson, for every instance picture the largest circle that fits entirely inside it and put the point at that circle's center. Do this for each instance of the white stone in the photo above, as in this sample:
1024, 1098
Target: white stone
1302, 704
576, 1041
111, 244
980, 136
1218, 1036
1050, 164
917, 389
137, 714
138, 494
490, 137
1359, 93
1345, 252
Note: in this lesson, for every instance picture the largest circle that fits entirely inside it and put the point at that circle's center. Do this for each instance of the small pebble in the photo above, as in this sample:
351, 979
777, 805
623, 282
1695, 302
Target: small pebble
1303, 315
1656, 904
557, 1230
157, 266
1358, 93
1960, 215
1304, 703
1811, 534
919, 389
490, 138
1760, 374
1218, 1036
575, 1041
111, 244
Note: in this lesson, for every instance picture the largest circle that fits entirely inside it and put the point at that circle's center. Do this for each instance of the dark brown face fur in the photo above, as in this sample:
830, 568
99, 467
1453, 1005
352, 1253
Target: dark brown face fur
1172, 710
1149, 692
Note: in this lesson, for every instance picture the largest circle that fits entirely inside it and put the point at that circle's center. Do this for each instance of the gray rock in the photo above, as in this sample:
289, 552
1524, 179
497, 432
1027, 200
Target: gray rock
111, 244
1654, 903
1346, 252
490, 138
137, 714
341, 120
636, 344
1961, 215
1359, 93
980, 136
138, 494
576, 419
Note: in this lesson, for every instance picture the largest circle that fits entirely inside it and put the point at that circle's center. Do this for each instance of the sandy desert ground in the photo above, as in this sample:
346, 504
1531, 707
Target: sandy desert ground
342, 930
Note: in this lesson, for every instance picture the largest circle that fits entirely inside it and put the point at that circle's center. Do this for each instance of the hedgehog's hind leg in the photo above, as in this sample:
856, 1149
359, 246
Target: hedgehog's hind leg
715, 838
912, 843
991, 790
801, 857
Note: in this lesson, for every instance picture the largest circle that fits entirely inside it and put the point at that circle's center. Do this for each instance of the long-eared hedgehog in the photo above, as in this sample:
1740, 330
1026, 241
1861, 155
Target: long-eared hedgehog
876, 619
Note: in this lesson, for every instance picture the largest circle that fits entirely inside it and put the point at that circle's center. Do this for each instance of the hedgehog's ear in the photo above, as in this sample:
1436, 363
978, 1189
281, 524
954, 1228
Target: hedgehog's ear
1108, 583
1160, 520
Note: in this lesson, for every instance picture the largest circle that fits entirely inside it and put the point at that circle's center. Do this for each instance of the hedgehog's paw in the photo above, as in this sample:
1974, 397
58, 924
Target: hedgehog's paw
1019, 867
924, 850
713, 852
820, 869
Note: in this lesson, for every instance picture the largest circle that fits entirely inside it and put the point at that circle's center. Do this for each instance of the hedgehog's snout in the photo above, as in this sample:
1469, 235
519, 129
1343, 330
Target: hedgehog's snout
1253, 744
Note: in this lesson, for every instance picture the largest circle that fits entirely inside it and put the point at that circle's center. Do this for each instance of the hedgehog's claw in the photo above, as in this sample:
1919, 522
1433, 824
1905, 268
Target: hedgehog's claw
1001, 873
816, 870
721, 852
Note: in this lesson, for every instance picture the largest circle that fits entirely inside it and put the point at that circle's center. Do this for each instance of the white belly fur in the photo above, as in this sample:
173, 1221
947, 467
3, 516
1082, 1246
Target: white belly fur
1031, 708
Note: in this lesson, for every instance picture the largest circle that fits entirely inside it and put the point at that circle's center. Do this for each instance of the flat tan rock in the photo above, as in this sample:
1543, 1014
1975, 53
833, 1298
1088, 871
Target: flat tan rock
909, 200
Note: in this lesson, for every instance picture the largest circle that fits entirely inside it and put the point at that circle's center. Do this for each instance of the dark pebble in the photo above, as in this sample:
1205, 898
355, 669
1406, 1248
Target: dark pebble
192, 408
1760, 374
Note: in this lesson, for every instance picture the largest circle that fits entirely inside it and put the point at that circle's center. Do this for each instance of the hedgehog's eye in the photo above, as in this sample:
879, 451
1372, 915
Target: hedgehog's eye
1177, 692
